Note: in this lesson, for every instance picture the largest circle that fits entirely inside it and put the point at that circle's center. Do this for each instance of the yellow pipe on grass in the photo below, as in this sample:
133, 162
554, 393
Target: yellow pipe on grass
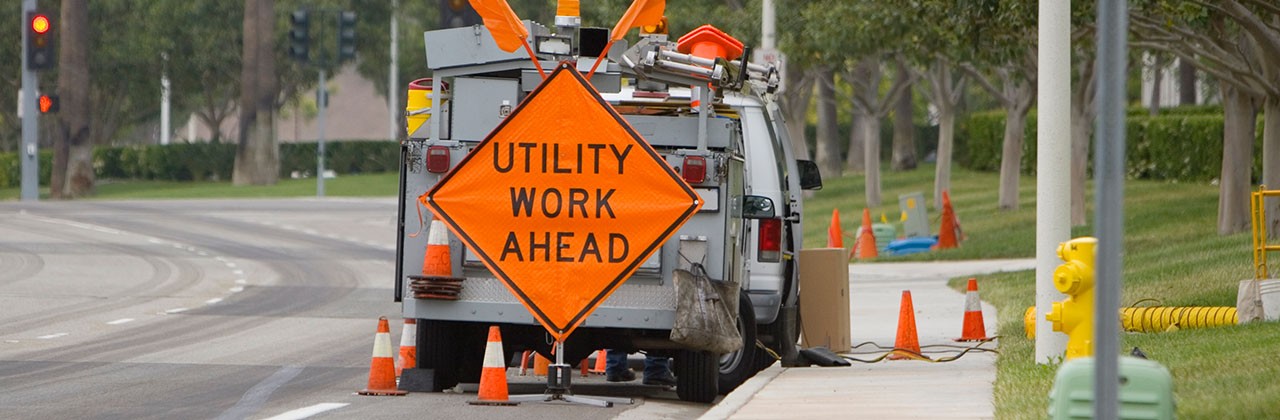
1158, 318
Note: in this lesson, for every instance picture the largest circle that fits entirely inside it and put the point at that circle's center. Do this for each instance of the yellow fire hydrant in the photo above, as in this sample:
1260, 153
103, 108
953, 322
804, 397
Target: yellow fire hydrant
1075, 278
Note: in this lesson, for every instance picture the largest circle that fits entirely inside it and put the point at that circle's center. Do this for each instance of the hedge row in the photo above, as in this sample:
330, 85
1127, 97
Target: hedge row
212, 161
1171, 146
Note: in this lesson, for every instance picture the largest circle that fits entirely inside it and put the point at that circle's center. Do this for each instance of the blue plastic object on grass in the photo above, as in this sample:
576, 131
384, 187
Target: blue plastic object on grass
911, 245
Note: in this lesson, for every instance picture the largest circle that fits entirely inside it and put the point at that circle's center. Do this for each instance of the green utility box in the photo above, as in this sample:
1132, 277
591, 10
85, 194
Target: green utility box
1146, 390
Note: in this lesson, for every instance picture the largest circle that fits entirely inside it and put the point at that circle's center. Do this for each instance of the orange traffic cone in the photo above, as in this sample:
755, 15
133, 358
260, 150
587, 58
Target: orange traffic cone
866, 245
907, 345
974, 329
601, 362
835, 235
435, 262
408, 346
493, 379
540, 365
382, 370
949, 233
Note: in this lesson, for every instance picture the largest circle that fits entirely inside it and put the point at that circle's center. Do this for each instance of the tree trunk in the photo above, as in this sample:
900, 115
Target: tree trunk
1237, 154
1082, 116
904, 133
944, 93
1271, 162
795, 106
1011, 158
946, 140
828, 153
75, 148
1186, 83
871, 133
1081, 134
865, 79
257, 156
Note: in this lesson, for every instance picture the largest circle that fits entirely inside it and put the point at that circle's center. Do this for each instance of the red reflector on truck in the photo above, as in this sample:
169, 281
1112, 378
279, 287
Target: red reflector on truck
437, 159
770, 241
694, 169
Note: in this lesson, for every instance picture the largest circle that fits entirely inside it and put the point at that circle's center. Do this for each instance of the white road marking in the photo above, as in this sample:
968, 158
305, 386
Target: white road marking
175, 310
311, 232
120, 321
305, 412
242, 281
155, 241
231, 264
237, 289
237, 272
52, 336
213, 301
202, 253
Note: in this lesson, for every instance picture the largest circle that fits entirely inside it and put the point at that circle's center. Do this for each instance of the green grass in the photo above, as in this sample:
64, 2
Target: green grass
364, 185
1173, 254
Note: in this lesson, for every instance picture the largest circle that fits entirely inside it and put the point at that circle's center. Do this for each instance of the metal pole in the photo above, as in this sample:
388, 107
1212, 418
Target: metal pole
768, 27
322, 100
164, 109
1053, 160
394, 85
1113, 22
30, 126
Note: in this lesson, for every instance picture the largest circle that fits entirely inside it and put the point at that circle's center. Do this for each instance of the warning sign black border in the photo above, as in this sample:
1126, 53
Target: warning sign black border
565, 330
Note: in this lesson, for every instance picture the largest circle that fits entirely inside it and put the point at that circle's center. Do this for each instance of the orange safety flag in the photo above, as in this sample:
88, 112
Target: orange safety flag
507, 29
641, 13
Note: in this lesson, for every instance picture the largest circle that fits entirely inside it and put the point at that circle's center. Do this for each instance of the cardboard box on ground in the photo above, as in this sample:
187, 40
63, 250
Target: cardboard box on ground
824, 297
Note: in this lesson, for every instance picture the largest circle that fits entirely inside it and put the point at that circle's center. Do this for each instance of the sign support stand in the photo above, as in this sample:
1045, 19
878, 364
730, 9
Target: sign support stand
558, 383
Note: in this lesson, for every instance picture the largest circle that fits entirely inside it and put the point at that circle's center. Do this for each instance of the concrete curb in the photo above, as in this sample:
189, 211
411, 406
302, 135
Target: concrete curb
731, 403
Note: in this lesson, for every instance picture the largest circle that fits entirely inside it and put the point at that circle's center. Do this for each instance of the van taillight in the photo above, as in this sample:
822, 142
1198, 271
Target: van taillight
437, 159
694, 169
770, 241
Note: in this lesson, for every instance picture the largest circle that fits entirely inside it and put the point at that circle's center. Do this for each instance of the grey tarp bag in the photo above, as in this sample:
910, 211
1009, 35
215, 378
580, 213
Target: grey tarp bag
706, 312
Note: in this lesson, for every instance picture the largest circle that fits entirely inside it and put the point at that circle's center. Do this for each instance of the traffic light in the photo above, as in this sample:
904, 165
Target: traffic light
299, 35
346, 35
48, 104
39, 41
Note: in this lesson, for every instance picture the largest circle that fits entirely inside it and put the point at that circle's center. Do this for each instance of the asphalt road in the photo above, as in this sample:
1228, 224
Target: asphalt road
222, 309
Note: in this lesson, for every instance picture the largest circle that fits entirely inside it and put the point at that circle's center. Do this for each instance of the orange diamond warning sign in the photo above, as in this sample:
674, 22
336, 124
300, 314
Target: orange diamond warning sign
563, 201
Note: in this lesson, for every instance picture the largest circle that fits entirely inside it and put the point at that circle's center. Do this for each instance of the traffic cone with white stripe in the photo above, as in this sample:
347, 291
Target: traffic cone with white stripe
408, 346
973, 329
493, 377
382, 369
435, 261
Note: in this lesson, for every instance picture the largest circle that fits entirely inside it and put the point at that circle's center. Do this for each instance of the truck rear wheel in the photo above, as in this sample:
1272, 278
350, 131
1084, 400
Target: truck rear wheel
697, 376
437, 350
738, 366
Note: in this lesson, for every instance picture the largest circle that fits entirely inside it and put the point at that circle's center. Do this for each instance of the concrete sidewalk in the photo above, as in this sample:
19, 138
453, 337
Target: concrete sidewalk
888, 389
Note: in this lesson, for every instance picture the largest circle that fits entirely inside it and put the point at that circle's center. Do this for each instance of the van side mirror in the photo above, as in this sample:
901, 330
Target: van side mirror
810, 178
757, 207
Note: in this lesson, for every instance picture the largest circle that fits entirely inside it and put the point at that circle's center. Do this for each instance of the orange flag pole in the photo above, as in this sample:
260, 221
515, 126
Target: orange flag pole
533, 57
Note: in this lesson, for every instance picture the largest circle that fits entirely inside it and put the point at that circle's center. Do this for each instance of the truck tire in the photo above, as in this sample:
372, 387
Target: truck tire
738, 366
697, 376
437, 350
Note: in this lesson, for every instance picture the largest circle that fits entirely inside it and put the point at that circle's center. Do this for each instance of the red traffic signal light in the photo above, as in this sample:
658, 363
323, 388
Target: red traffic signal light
39, 36
40, 24
48, 103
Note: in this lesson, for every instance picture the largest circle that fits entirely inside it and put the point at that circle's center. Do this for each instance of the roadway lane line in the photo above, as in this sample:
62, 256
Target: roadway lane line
213, 301
52, 336
305, 412
120, 321
175, 310
255, 397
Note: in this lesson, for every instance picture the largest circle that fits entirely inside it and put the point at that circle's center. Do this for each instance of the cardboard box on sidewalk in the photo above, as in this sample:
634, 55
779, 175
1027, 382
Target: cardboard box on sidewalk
824, 298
